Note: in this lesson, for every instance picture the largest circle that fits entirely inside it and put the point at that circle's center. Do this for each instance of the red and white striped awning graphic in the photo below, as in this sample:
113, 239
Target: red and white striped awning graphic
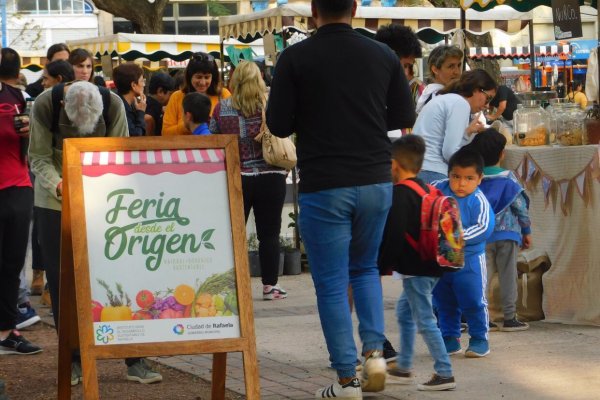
519, 51
152, 162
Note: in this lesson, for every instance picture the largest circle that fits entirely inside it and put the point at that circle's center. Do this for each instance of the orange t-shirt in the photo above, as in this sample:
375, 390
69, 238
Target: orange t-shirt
173, 118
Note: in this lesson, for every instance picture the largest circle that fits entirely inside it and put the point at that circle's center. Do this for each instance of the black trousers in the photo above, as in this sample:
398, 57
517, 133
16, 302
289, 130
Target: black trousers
16, 205
265, 194
49, 229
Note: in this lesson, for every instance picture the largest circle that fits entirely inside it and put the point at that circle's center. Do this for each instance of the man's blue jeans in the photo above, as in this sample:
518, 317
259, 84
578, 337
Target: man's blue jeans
414, 310
341, 230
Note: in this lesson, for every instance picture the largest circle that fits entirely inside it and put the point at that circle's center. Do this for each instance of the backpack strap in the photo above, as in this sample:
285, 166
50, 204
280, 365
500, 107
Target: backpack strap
415, 186
58, 92
105, 93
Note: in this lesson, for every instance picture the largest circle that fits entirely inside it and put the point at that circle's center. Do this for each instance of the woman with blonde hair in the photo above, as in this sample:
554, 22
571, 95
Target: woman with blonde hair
263, 185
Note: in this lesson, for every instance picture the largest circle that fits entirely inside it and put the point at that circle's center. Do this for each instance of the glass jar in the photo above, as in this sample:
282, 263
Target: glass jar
554, 109
570, 125
530, 124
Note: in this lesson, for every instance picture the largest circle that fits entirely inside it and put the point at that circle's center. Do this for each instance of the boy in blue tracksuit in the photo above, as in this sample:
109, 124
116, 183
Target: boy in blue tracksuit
513, 226
464, 291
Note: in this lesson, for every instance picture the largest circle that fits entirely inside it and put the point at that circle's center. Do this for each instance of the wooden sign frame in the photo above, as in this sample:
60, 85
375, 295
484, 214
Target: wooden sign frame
76, 323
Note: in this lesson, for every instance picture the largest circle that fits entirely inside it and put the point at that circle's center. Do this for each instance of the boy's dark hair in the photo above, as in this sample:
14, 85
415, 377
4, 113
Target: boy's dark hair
61, 68
401, 39
56, 48
466, 158
489, 143
409, 151
162, 81
202, 63
10, 64
198, 105
99, 81
126, 74
179, 78
334, 8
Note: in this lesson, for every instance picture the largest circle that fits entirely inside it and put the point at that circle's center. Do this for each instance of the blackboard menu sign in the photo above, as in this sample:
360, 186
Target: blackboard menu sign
567, 19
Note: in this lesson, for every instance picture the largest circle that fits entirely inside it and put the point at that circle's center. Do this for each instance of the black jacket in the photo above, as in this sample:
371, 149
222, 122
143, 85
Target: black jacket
340, 92
395, 253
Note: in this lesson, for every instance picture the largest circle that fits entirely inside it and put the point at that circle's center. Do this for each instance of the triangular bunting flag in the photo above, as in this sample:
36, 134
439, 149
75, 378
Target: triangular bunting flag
546, 185
531, 169
524, 168
518, 171
564, 190
580, 181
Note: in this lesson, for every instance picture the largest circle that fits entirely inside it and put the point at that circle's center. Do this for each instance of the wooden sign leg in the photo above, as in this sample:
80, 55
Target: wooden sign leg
219, 376
251, 377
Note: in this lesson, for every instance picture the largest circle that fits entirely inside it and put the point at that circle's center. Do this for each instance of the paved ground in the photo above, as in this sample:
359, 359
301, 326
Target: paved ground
547, 362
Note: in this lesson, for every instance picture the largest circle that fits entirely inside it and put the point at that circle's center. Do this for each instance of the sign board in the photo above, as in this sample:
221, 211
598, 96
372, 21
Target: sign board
567, 19
161, 261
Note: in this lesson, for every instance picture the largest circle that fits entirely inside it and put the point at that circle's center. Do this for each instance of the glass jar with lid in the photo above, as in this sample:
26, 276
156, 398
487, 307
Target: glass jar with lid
570, 125
530, 124
554, 111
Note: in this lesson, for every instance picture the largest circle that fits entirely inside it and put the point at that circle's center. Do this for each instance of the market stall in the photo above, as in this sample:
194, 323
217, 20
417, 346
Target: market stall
430, 24
157, 50
563, 184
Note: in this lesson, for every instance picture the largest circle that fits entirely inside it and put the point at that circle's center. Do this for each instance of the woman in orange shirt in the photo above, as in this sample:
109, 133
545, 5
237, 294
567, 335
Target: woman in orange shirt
202, 76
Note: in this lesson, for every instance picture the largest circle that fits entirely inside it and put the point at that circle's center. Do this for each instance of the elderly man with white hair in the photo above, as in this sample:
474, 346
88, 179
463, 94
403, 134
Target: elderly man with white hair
81, 115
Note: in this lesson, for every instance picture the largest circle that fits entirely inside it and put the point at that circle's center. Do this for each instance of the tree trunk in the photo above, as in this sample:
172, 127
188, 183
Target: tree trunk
143, 14
491, 66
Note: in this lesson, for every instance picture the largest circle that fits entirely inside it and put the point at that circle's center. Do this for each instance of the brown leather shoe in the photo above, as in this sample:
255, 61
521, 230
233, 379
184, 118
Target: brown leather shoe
37, 283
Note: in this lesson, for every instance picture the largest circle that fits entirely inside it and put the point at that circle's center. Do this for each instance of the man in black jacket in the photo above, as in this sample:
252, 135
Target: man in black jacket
341, 92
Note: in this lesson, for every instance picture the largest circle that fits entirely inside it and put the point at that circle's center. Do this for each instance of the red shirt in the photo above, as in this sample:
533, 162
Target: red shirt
13, 167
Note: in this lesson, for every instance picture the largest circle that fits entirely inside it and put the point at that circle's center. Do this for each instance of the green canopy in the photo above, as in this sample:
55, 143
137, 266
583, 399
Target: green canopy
519, 5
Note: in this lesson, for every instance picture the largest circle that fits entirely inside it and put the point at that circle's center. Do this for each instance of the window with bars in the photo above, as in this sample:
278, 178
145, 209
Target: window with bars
188, 18
49, 7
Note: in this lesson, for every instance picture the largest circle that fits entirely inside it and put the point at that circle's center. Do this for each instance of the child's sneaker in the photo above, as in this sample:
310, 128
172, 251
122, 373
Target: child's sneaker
273, 292
492, 327
142, 373
514, 325
399, 377
452, 345
349, 391
373, 373
76, 376
438, 383
26, 316
15, 343
477, 348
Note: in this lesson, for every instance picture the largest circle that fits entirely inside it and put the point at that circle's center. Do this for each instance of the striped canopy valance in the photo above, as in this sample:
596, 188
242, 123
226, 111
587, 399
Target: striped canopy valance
561, 50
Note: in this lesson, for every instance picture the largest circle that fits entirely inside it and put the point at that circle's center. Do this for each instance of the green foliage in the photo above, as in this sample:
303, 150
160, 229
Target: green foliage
252, 242
216, 9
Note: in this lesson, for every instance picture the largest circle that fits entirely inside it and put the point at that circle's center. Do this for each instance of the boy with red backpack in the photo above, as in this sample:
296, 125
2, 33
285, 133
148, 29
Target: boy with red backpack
419, 277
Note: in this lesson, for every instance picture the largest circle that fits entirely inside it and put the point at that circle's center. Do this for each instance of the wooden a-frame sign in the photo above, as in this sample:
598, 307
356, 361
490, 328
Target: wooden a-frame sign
204, 174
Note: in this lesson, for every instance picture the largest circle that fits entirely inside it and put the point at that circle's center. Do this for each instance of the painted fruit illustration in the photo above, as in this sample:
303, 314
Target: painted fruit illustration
184, 294
96, 310
119, 305
211, 296
144, 298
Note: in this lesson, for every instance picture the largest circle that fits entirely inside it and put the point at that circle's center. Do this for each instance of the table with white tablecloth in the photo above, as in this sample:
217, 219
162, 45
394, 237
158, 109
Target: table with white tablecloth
563, 184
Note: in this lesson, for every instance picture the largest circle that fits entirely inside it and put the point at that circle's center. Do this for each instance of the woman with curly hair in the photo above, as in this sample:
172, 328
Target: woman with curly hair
263, 185
202, 76
444, 65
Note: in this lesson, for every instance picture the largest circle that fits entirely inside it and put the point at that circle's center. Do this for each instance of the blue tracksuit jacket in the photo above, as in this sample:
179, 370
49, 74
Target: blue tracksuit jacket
463, 292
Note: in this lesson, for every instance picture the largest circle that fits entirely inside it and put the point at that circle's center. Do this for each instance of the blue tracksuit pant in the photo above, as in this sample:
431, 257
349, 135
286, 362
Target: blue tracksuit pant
463, 292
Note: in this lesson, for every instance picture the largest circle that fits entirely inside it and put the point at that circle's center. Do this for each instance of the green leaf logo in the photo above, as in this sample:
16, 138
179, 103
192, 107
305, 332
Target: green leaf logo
207, 234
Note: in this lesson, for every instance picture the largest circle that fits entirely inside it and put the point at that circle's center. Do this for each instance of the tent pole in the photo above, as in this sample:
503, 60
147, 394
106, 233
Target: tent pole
598, 48
221, 49
531, 55
463, 27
